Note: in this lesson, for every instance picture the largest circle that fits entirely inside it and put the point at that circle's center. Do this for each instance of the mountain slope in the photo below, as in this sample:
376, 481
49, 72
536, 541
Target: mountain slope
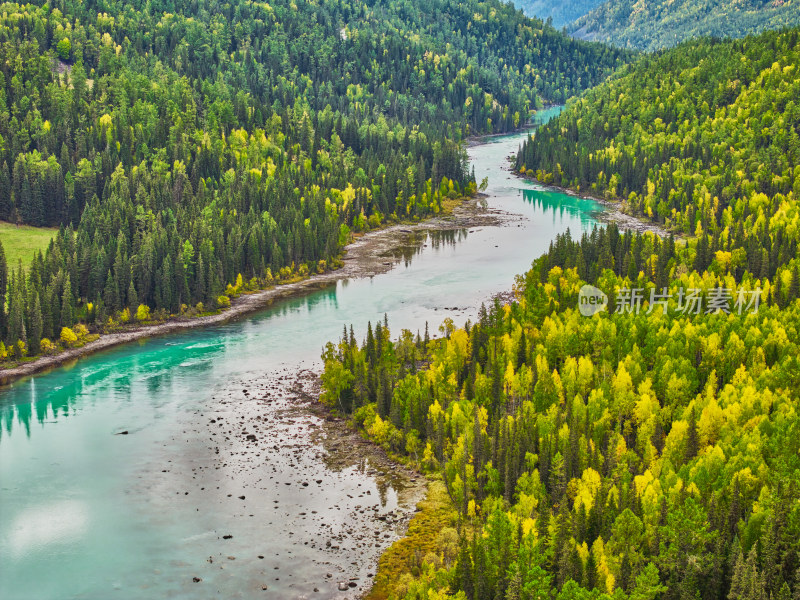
649, 450
562, 13
703, 137
654, 24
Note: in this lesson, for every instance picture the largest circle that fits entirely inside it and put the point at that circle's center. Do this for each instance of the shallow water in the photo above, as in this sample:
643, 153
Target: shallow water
90, 514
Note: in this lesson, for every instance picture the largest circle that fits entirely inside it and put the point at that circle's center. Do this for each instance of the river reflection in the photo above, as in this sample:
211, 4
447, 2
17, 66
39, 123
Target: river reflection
557, 205
417, 241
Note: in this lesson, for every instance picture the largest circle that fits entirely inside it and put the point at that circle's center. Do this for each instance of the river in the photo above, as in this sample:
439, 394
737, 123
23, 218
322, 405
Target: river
184, 504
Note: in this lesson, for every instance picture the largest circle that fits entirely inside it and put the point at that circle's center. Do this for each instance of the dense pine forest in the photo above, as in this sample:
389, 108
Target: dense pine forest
193, 150
649, 451
704, 139
664, 23
640, 454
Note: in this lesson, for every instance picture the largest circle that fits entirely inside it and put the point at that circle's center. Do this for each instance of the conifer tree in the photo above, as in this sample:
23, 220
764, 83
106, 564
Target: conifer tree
3, 288
37, 325
16, 320
66, 319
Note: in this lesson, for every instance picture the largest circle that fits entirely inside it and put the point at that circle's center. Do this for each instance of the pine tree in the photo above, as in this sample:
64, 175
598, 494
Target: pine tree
66, 304
514, 590
692, 438
3, 287
6, 201
777, 292
794, 288
133, 298
111, 294
625, 573
784, 593
16, 319
747, 582
464, 580
37, 325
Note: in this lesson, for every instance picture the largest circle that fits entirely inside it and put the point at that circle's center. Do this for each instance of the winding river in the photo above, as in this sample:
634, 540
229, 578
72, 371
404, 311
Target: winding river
225, 485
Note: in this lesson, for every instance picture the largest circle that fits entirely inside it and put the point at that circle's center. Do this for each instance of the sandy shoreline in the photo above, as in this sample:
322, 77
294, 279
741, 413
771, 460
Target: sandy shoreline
365, 257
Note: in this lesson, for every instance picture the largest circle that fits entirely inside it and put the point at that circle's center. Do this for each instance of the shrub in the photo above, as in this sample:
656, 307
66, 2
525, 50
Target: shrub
143, 313
223, 301
68, 337
46, 346
20, 349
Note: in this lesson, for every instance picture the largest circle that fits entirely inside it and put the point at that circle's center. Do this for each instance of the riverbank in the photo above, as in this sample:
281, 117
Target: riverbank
367, 256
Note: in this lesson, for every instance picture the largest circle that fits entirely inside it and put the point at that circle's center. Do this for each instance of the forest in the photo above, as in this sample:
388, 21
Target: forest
665, 23
190, 151
650, 451
704, 139
639, 454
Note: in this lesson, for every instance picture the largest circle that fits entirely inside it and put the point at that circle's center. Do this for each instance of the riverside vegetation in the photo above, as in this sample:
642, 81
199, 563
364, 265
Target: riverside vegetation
190, 151
621, 456
634, 454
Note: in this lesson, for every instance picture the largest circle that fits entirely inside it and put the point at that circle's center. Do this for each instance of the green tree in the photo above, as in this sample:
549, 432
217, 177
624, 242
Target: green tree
64, 48
67, 304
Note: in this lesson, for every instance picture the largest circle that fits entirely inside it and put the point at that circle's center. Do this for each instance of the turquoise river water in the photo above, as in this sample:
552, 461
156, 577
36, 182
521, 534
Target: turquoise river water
85, 513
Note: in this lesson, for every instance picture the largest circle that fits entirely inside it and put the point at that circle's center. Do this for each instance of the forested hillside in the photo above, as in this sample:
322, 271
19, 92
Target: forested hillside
647, 453
704, 138
189, 148
561, 12
663, 23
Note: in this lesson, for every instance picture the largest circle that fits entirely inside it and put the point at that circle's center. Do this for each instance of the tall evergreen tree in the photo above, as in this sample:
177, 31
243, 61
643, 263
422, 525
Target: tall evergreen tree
67, 311
3, 287
37, 325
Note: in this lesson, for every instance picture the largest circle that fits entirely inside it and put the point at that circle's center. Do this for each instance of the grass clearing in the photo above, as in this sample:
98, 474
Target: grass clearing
22, 242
